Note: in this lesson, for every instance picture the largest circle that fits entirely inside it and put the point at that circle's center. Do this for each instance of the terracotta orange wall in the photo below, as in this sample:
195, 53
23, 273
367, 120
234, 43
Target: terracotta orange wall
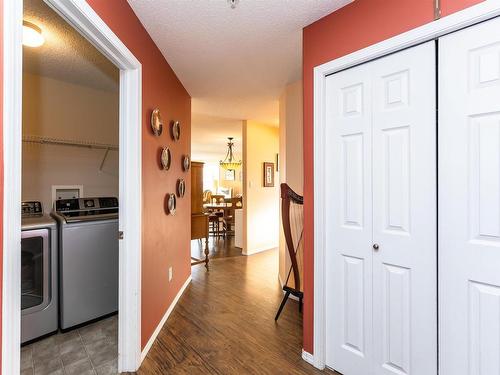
451, 6
358, 25
165, 239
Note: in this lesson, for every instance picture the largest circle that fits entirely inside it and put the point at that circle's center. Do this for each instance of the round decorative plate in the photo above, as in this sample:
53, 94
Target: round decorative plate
171, 204
175, 130
156, 122
165, 158
186, 163
181, 187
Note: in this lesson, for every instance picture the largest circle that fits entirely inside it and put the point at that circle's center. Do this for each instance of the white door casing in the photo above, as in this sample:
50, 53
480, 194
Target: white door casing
469, 201
381, 304
349, 221
81, 16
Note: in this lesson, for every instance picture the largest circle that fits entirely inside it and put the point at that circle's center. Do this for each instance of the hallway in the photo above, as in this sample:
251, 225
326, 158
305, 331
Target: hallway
224, 324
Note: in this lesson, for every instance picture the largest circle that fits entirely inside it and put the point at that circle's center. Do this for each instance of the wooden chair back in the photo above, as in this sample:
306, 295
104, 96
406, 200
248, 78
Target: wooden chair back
217, 198
207, 196
236, 202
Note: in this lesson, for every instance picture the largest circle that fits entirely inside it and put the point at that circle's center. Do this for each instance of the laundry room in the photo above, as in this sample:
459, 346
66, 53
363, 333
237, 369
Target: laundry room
70, 189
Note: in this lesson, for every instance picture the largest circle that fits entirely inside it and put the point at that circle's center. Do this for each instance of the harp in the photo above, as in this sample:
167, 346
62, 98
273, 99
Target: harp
292, 216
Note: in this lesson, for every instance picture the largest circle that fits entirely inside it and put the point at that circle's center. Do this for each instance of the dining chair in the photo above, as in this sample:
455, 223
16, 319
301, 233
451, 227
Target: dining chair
215, 220
229, 214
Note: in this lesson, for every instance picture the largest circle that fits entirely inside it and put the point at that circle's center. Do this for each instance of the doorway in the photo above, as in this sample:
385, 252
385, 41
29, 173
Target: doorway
82, 17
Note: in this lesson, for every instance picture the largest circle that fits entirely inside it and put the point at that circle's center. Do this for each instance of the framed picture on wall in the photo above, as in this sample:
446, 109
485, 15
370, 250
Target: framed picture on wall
268, 174
229, 175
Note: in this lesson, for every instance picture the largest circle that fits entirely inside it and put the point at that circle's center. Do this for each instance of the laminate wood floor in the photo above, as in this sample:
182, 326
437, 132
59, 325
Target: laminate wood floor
217, 247
224, 324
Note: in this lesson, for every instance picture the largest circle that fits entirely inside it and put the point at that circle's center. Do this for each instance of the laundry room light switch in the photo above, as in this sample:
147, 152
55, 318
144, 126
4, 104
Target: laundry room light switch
170, 274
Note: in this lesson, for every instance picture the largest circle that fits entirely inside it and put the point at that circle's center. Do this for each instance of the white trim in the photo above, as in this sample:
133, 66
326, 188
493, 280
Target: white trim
475, 14
163, 320
12, 129
308, 357
90, 25
256, 251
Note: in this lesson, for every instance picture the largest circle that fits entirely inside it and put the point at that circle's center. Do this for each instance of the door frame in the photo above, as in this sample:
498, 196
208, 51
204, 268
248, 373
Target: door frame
85, 20
433, 30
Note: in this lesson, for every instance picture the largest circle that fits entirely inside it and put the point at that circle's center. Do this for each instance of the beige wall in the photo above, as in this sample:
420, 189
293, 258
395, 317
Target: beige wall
291, 155
261, 204
57, 109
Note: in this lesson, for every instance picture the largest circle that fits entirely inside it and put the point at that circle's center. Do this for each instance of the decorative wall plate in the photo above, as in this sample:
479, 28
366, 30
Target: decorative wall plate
165, 158
186, 163
175, 130
156, 122
171, 204
181, 187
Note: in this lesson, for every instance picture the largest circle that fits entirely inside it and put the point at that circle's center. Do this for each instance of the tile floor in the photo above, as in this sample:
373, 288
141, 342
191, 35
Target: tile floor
92, 349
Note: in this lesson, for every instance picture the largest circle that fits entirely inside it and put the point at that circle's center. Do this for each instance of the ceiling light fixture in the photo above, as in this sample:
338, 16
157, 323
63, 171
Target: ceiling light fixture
229, 163
233, 3
32, 35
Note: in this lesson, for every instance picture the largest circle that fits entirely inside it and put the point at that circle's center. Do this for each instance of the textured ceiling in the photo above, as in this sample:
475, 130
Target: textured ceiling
233, 62
65, 55
209, 137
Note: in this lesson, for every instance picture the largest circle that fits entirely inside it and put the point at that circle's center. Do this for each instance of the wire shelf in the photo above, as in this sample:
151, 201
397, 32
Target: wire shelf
66, 142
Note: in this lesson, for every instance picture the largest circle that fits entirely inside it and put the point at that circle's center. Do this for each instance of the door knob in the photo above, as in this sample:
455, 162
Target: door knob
375, 246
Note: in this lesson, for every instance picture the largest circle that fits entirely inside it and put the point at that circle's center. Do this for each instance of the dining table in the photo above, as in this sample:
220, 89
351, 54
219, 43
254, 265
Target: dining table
217, 206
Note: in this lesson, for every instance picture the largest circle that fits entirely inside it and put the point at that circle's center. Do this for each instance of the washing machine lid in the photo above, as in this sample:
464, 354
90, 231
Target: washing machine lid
72, 217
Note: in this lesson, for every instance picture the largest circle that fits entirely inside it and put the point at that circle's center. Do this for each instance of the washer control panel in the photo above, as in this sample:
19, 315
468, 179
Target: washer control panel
80, 207
31, 208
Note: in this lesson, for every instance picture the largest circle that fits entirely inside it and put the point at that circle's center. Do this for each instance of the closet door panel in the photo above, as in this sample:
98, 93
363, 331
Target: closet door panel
348, 174
469, 201
404, 213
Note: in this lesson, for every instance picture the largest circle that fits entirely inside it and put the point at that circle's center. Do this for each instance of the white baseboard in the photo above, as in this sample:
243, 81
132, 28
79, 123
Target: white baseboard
291, 296
164, 320
256, 251
308, 357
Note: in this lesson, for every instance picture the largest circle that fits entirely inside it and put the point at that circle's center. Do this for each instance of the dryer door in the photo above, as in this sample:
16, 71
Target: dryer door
35, 270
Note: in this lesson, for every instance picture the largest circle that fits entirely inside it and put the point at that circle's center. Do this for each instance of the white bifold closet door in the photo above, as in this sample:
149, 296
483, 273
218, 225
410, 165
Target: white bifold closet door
381, 303
469, 201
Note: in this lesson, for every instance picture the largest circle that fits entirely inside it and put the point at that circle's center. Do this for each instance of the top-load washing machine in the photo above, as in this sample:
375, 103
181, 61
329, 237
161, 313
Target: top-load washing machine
88, 258
39, 281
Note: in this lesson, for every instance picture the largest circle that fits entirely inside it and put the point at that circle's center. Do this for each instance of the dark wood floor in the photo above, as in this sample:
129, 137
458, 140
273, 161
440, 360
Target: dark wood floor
218, 248
224, 322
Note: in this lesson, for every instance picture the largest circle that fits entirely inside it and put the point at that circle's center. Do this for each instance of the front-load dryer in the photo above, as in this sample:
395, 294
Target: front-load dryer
39, 278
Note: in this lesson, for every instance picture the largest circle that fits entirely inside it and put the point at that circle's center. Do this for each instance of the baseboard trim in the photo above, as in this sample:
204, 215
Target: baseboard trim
308, 357
291, 295
163, 320
256, 251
